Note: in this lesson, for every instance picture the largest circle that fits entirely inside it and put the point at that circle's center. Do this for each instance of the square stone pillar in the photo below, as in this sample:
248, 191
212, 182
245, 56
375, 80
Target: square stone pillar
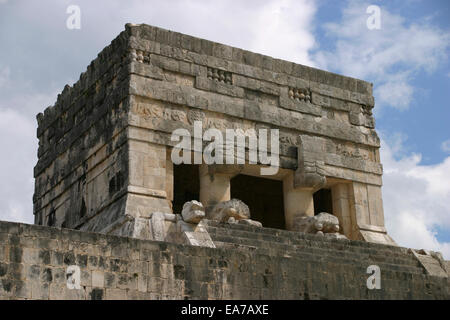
367, 208
341, 208
147, 186
359, 203
297, 201
376, 212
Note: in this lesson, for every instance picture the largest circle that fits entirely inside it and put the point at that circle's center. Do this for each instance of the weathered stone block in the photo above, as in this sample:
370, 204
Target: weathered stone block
115, 294
98, 279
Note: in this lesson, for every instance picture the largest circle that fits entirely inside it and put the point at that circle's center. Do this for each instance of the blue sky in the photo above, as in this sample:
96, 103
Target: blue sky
426, 120
406, 60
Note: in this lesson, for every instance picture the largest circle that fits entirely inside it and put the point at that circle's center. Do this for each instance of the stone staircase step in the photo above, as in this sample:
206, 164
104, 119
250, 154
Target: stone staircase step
320, 259
281, 242
317, 242
276, 248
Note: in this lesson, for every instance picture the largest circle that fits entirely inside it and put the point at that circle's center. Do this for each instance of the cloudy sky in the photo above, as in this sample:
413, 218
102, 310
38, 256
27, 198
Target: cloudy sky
406, 59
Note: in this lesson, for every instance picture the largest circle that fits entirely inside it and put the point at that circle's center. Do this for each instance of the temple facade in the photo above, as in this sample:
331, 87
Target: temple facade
107, 146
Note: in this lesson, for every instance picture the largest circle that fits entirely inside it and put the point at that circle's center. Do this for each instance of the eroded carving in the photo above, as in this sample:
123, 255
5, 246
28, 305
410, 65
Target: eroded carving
321, 224
147, 111
233, 208
219, 75
139, 56
178, 115
350, 151
300, 94
310, 173
193, 211
195, 115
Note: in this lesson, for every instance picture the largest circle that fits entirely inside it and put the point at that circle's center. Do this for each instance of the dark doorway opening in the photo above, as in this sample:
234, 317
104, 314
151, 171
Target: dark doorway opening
323, 201
264, 197
186, 185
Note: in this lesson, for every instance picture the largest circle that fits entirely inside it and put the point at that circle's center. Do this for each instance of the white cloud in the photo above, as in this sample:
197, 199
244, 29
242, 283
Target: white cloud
18, 145
415, 197
395, 91
445, 146
390, 57
283, 31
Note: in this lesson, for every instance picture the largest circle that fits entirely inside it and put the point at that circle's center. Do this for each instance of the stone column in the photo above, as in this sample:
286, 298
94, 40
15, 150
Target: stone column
169, 178
300, 186
297, 201
214, 187
341, 208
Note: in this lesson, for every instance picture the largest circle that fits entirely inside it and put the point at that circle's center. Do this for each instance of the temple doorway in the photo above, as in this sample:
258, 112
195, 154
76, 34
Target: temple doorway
186, 185
263, 196
323, 201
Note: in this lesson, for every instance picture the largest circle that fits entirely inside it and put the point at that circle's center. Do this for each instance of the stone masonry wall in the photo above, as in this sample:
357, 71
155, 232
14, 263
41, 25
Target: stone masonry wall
177, 79
83, 153
34, 261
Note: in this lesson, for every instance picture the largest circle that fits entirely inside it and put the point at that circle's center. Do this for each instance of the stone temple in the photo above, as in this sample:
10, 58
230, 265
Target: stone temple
105, 147
106, 171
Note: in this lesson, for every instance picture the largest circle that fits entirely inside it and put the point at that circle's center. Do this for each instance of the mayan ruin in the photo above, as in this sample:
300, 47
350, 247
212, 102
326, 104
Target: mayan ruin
181, 168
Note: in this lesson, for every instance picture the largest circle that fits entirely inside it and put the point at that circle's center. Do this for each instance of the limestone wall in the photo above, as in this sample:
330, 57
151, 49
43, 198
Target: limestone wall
83, 154
35, 261
174, 82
